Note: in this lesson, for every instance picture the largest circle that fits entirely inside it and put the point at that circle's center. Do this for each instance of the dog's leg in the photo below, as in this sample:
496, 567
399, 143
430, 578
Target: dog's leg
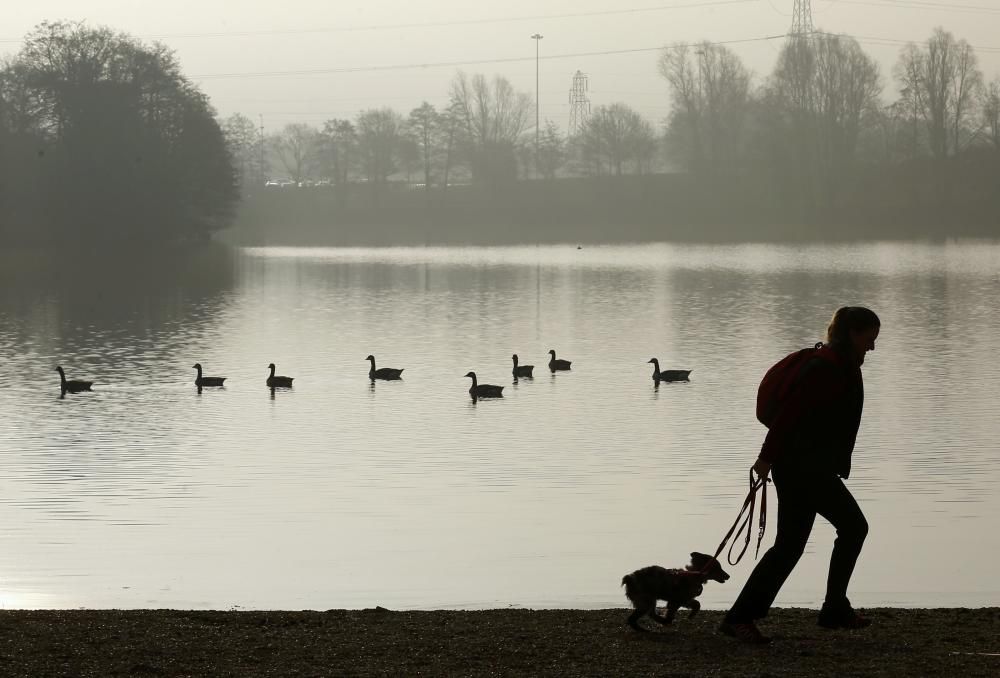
671, 613
640, 611
666, 619
694, 605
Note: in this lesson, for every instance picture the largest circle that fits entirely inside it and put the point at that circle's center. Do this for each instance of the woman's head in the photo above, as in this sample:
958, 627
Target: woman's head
854, 328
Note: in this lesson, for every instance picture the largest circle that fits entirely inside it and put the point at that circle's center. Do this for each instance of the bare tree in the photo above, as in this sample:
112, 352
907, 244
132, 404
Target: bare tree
424, 127
824, 93
614, 136
379, 133
990, 104
340, 149
408, 153
845, 88
551, 150
453, 138
243, 143
494, 116
709, 86
942, 78
296, 147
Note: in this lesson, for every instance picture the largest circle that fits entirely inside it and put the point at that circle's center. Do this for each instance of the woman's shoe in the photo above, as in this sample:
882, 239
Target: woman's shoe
745, 632
842, 617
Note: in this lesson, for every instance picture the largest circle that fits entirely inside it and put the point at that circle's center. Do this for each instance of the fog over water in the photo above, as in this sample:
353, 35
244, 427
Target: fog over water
340, 493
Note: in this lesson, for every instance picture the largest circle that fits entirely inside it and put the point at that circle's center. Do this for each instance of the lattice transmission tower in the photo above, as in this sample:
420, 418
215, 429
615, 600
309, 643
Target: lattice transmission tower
802, 19
579, 104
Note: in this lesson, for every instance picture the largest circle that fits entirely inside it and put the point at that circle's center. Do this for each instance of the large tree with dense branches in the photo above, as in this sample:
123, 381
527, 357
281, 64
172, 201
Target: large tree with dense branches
122, 146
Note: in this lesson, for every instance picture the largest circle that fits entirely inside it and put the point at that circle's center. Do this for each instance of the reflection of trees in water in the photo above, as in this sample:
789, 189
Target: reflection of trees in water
66, 295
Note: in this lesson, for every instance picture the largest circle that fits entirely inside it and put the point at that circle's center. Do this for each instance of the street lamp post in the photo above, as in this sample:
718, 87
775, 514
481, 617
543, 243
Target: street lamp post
537, 37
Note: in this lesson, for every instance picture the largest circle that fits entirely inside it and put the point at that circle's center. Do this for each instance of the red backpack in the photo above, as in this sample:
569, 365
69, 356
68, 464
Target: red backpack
779, 381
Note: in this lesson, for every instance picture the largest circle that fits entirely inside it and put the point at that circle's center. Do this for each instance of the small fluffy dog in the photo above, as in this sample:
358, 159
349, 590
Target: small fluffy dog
678, 587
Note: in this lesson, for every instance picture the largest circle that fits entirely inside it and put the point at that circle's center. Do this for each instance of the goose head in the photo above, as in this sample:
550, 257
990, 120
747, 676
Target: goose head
196, 366
271, 367
514, 358
59, 369
654, 361
370, 357
471, 375
552, 353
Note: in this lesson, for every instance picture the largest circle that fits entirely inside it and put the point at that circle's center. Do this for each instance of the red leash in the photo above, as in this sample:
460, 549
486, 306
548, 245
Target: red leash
748, 506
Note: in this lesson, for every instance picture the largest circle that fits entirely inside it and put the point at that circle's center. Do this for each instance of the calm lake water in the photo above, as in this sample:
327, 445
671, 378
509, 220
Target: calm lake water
337, 493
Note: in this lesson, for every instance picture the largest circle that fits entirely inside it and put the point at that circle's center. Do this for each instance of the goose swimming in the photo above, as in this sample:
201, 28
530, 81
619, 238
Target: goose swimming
206, 381
71, 385
522, 370
556, 364
668, 375
483, 390
388, 373
278, 381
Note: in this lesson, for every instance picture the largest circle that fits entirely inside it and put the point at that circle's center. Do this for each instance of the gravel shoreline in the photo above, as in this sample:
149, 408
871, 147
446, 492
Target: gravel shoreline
510, 642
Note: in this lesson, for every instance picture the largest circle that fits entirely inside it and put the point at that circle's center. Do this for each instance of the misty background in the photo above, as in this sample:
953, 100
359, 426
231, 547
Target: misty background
406, 126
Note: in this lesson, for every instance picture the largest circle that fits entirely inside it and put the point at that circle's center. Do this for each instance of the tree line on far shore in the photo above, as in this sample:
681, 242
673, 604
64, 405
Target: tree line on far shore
806, 135
103, 140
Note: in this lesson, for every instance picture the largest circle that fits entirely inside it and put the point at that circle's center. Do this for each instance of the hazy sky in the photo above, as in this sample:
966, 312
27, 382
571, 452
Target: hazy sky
230, 51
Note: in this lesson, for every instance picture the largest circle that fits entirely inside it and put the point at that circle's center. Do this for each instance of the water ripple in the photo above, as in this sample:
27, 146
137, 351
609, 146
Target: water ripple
313, 496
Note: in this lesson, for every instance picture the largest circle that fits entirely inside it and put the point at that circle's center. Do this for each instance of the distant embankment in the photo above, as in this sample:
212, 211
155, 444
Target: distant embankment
673, 207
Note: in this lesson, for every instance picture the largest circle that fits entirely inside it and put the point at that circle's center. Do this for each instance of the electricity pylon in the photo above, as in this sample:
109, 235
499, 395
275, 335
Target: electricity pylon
579, 104
802, 19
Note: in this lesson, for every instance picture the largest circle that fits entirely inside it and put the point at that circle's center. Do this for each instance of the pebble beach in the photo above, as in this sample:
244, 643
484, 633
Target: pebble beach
503, 642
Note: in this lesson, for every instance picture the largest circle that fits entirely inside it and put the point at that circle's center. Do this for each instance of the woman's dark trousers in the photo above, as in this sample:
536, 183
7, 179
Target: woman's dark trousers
802, 494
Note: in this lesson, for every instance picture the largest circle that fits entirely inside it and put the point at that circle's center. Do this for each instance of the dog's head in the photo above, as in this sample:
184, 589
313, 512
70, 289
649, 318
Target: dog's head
709, 566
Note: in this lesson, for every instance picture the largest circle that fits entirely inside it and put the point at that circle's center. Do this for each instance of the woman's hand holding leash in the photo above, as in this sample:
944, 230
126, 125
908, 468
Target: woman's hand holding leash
761, 468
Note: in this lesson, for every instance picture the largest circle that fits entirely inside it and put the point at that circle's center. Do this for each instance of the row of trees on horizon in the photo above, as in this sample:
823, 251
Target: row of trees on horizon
818, 116
485, 135
102, 135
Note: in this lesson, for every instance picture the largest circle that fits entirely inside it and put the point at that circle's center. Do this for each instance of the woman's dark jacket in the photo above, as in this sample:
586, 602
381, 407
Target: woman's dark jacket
816, 425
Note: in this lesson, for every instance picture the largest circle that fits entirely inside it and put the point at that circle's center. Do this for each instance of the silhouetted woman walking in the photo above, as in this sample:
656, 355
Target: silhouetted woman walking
808, 449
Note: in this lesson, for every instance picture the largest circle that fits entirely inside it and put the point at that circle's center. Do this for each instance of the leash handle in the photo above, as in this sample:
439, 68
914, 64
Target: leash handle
762, 519
744, 523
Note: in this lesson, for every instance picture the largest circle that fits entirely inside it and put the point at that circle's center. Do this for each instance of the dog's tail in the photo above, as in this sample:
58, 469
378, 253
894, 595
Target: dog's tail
628, 581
